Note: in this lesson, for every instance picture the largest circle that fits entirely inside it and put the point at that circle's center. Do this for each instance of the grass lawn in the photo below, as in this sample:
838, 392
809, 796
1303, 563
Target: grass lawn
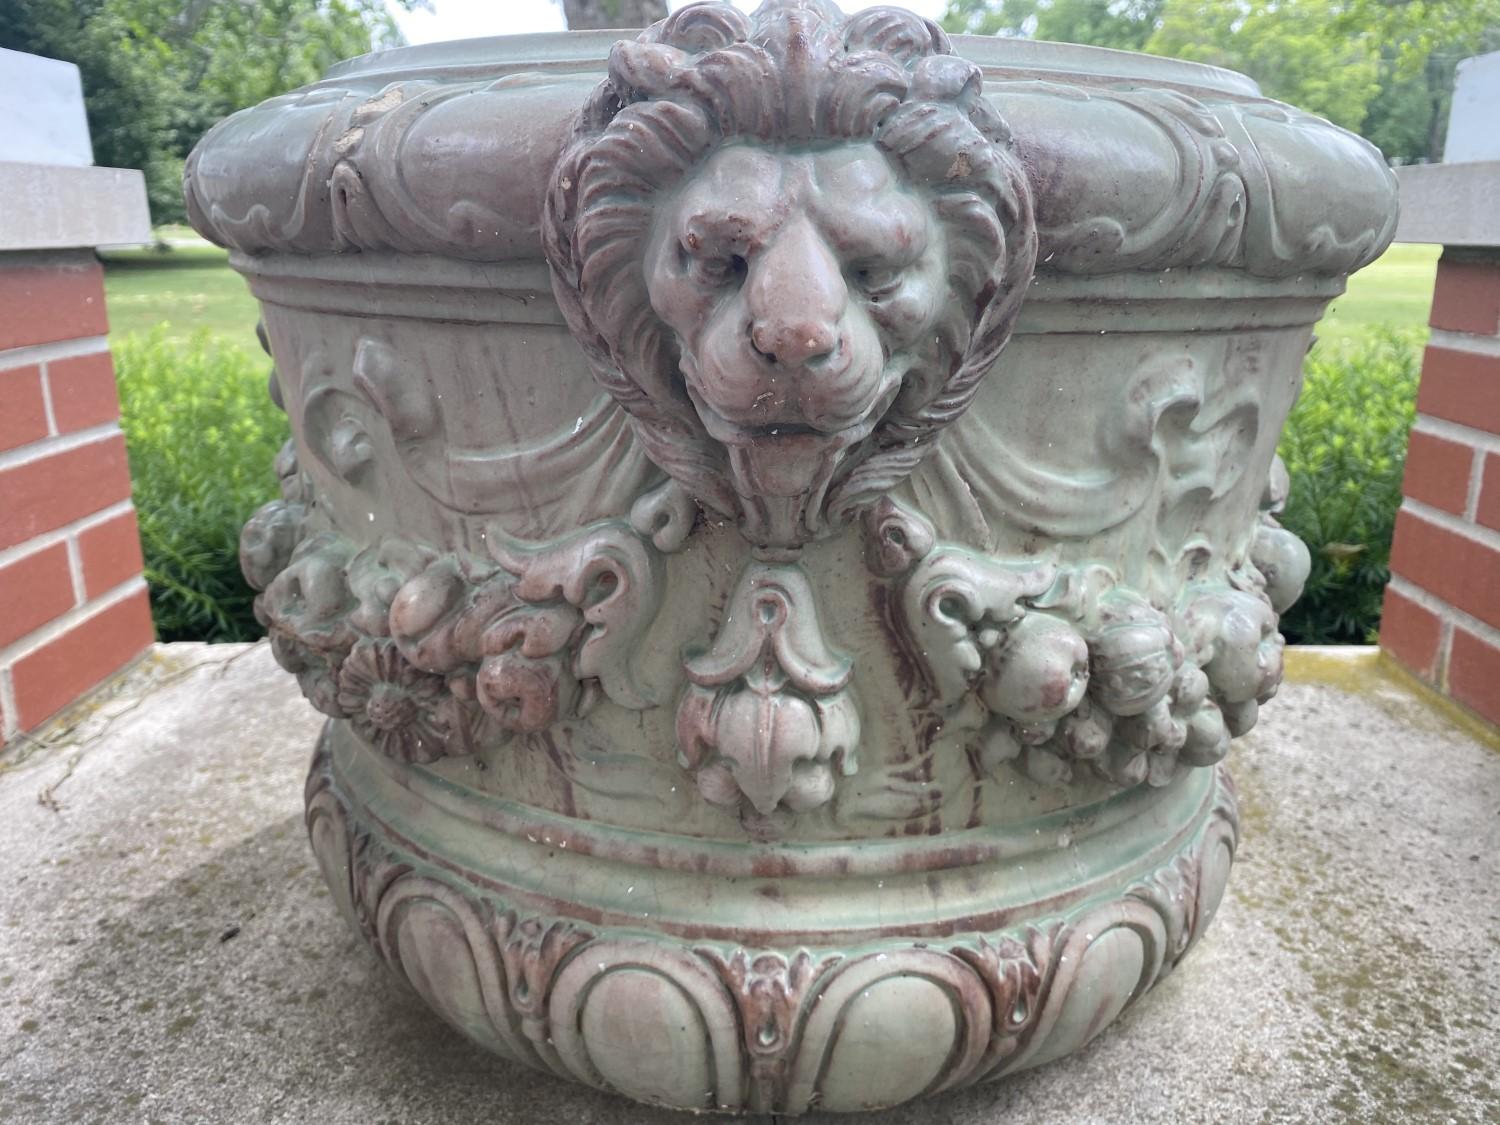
1395, 290
186, 288
191, 286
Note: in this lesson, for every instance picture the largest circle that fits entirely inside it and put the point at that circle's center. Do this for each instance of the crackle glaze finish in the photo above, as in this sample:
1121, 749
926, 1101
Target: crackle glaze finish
781, 520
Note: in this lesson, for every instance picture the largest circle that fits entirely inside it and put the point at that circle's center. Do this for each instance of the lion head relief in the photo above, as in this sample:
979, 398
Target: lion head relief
791, 245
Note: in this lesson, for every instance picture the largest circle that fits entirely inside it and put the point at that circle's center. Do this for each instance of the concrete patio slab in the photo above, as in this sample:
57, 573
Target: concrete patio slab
168, 952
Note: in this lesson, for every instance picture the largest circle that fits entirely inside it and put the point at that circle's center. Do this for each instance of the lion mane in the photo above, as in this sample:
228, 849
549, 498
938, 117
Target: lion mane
796, 73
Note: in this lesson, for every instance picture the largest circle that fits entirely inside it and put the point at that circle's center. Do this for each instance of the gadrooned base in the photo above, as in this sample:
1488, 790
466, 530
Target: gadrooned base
523, 933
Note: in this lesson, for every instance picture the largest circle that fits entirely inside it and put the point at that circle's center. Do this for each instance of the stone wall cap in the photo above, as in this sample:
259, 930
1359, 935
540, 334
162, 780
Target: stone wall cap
55, 206
41, 103
1472, 135
1450, 204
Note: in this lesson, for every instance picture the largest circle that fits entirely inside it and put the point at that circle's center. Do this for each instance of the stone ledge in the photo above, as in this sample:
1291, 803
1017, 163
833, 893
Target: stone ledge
171, 954
1450, 204
54, 206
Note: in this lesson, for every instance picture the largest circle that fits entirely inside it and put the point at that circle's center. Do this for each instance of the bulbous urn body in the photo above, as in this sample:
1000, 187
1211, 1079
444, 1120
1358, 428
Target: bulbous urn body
781, 520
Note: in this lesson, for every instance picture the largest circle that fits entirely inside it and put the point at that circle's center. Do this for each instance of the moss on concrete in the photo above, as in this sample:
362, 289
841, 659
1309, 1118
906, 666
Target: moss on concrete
1373, 675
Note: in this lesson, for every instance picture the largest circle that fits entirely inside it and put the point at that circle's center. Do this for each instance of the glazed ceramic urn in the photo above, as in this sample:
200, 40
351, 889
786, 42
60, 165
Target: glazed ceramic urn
781, 522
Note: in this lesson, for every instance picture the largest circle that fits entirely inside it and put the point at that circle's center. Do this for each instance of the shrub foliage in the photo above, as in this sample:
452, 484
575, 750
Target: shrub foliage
202, 434
1345, 449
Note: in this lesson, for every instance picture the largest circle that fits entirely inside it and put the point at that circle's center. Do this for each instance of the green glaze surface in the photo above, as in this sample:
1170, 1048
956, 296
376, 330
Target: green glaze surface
782, 522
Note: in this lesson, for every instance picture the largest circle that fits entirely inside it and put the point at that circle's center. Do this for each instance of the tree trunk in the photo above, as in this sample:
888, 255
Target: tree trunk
582, 14
1440, 78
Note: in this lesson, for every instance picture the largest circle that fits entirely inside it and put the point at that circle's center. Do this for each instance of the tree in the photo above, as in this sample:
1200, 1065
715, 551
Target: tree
158, 73
132, 106
585, 14
1290, 47
1418, 28
1381, 67
1422, 45
1124, 24
1384, 67
1399, 120
242, 53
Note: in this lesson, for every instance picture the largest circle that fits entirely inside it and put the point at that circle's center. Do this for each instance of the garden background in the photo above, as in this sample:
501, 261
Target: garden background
202, 431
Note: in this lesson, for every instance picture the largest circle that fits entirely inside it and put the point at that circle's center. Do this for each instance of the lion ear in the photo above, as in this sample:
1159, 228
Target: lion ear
704, 27
903, 35
947, 78
642, 69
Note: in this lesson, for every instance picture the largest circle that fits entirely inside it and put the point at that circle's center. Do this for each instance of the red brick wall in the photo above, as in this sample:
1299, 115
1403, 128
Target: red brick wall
73, 606
1442, 607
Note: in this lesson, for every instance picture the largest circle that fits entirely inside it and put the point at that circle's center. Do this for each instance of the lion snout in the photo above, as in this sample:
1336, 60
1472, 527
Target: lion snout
795, 341
828, 391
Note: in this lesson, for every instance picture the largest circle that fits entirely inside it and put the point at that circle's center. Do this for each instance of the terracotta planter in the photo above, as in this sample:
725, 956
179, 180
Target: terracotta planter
749, 688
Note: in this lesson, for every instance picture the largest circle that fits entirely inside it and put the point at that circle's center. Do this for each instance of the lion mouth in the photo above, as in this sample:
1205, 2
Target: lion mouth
788, 436
782, 470
786, 432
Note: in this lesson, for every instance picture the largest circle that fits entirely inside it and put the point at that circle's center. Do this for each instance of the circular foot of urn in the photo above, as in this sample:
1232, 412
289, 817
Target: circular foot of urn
692, 978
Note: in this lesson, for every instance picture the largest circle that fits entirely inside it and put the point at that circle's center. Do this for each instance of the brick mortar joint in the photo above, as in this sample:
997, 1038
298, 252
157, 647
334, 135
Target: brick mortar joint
1476, 479
10, 722
47, 404
47, 539
54, 444
59, 349
1431, 425
64, 623
1448, 615
75, 571
1464, 343
1456, 525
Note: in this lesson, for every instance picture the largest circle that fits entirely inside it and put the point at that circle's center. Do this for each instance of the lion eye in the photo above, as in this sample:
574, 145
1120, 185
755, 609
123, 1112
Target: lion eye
715, 272
878, 282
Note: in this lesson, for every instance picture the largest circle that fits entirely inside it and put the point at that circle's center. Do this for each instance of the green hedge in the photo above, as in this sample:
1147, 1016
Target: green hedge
202, 434
1345, 449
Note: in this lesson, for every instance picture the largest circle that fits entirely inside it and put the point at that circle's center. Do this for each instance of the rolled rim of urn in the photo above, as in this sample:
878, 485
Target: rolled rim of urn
782, 521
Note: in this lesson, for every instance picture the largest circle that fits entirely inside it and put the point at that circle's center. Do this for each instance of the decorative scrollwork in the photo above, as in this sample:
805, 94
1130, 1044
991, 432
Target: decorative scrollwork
1193, 177
1202, 221
588, 468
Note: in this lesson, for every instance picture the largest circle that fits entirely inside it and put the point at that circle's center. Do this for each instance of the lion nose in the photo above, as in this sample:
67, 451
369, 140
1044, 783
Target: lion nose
796, 295
795, 343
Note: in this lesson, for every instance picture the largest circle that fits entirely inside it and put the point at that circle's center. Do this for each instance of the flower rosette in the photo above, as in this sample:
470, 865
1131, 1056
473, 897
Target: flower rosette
400, 710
